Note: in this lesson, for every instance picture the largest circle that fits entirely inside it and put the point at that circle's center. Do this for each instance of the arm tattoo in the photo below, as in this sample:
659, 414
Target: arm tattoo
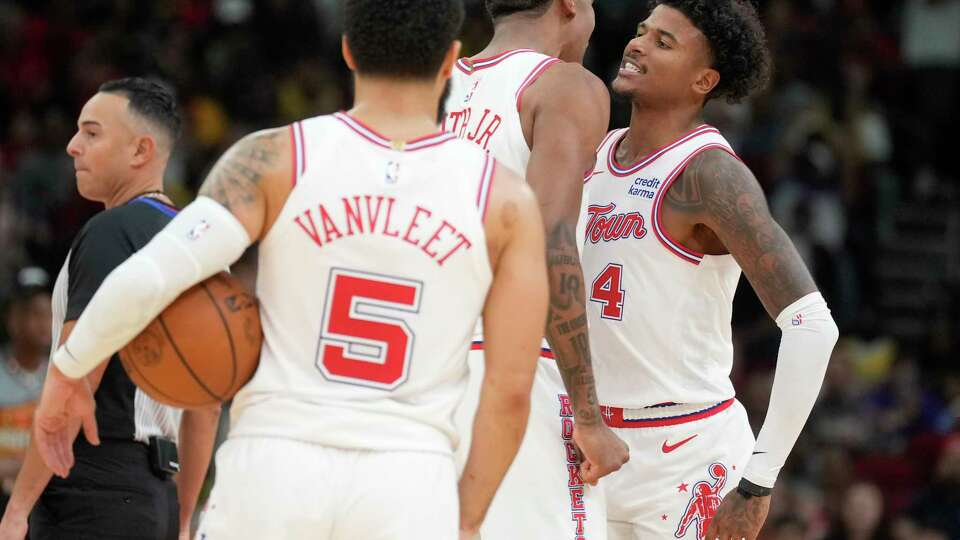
234, 180
567, 322
722, 194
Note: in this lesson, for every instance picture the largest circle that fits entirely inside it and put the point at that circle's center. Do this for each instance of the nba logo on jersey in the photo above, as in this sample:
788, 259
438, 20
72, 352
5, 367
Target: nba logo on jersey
469, 96
393, 172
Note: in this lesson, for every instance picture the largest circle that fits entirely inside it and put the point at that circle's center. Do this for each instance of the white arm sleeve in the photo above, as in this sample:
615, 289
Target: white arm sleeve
203, 239
809, 334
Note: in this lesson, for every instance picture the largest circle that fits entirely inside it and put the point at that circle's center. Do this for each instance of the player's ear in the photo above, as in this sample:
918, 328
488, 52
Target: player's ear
450, 59
347, 55
707, 80
568, 7
145, 148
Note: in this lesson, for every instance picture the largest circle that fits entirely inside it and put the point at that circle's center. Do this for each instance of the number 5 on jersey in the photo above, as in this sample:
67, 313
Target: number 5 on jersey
606, 290
364, 337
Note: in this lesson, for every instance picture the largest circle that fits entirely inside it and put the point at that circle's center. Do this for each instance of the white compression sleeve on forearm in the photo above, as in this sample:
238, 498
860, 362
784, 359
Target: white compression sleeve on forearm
809, 334
203, 239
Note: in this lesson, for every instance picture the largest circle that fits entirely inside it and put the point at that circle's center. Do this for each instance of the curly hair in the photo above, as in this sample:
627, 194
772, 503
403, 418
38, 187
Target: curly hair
401, 38
737, 40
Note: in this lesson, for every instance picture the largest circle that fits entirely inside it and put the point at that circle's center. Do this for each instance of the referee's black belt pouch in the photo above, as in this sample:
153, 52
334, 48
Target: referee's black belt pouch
163, 457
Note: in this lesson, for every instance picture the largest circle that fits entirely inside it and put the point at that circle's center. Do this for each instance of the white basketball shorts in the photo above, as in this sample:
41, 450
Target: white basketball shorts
542, 495
278, 488
683, 460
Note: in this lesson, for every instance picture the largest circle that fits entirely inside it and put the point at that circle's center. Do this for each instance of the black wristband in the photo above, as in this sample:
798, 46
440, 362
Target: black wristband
748, 489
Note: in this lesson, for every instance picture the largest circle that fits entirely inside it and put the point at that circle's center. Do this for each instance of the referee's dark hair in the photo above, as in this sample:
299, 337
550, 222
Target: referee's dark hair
502, 8
401, 38
151, 100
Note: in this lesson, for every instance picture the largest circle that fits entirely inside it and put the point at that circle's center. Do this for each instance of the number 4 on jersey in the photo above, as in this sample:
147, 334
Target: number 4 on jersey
607, 290
365, 339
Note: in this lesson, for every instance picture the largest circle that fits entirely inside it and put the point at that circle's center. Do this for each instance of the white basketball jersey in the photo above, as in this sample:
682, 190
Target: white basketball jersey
485, 99
484, 108
370, 283
659, 313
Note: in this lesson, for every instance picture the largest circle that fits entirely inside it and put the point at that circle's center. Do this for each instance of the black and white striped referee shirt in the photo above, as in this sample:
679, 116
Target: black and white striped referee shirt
109, 238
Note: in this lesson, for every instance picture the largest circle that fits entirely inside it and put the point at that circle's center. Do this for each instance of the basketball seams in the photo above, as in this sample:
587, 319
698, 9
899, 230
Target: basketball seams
143, 380
198, 346
226, 326
183, 360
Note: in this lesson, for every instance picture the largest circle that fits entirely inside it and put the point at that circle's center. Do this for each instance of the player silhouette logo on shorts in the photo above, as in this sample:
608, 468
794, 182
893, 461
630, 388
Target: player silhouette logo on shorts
703, 503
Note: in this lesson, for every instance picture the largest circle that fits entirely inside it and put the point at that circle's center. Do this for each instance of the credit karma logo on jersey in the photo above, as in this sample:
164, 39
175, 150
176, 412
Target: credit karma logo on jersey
644, 187
604, 224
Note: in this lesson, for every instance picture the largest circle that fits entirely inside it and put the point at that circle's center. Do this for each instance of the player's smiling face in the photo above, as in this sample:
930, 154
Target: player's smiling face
665, 60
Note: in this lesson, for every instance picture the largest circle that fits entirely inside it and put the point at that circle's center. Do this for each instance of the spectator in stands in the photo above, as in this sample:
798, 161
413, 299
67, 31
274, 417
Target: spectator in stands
861, 516
787, 528
937, 508
23, 364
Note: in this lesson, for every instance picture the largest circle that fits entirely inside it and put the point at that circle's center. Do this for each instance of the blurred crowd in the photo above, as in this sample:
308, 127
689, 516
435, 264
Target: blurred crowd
851, 142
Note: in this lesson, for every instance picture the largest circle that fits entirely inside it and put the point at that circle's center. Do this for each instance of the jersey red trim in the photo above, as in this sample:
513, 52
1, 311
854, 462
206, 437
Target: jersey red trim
613, 417
470, 66
589, 176
299, 151
293, 156
600, 147
660, 232
532, 77
617, 170
486, 202
606, 139
374, 137
544, 352
428, 141
485, 186
303, 149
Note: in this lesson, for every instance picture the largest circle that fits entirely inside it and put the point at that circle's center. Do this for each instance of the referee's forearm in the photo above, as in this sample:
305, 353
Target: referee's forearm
31, 481
198, 432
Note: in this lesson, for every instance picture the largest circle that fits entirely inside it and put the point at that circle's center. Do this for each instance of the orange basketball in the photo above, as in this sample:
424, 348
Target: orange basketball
201, 349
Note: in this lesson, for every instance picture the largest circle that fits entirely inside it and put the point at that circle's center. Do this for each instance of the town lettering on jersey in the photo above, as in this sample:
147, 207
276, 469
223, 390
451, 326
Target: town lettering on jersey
374, 214
484, 130
603, 224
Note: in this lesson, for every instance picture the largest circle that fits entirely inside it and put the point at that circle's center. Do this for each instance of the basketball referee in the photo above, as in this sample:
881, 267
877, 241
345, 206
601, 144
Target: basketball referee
131, 485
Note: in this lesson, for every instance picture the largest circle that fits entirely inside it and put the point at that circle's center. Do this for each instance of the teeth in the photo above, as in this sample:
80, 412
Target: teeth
631, 67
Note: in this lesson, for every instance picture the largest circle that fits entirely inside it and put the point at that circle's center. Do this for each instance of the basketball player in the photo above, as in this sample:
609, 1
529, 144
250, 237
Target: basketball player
120, 151
527, 100
382, 240
673, 216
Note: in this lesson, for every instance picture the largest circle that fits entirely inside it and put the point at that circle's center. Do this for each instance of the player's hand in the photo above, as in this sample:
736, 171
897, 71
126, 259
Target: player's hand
601, 451
63, 404
739, 518
13, 527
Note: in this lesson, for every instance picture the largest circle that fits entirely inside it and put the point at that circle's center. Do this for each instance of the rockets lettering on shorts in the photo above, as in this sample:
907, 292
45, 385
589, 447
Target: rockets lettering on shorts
578, 510
437, 238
